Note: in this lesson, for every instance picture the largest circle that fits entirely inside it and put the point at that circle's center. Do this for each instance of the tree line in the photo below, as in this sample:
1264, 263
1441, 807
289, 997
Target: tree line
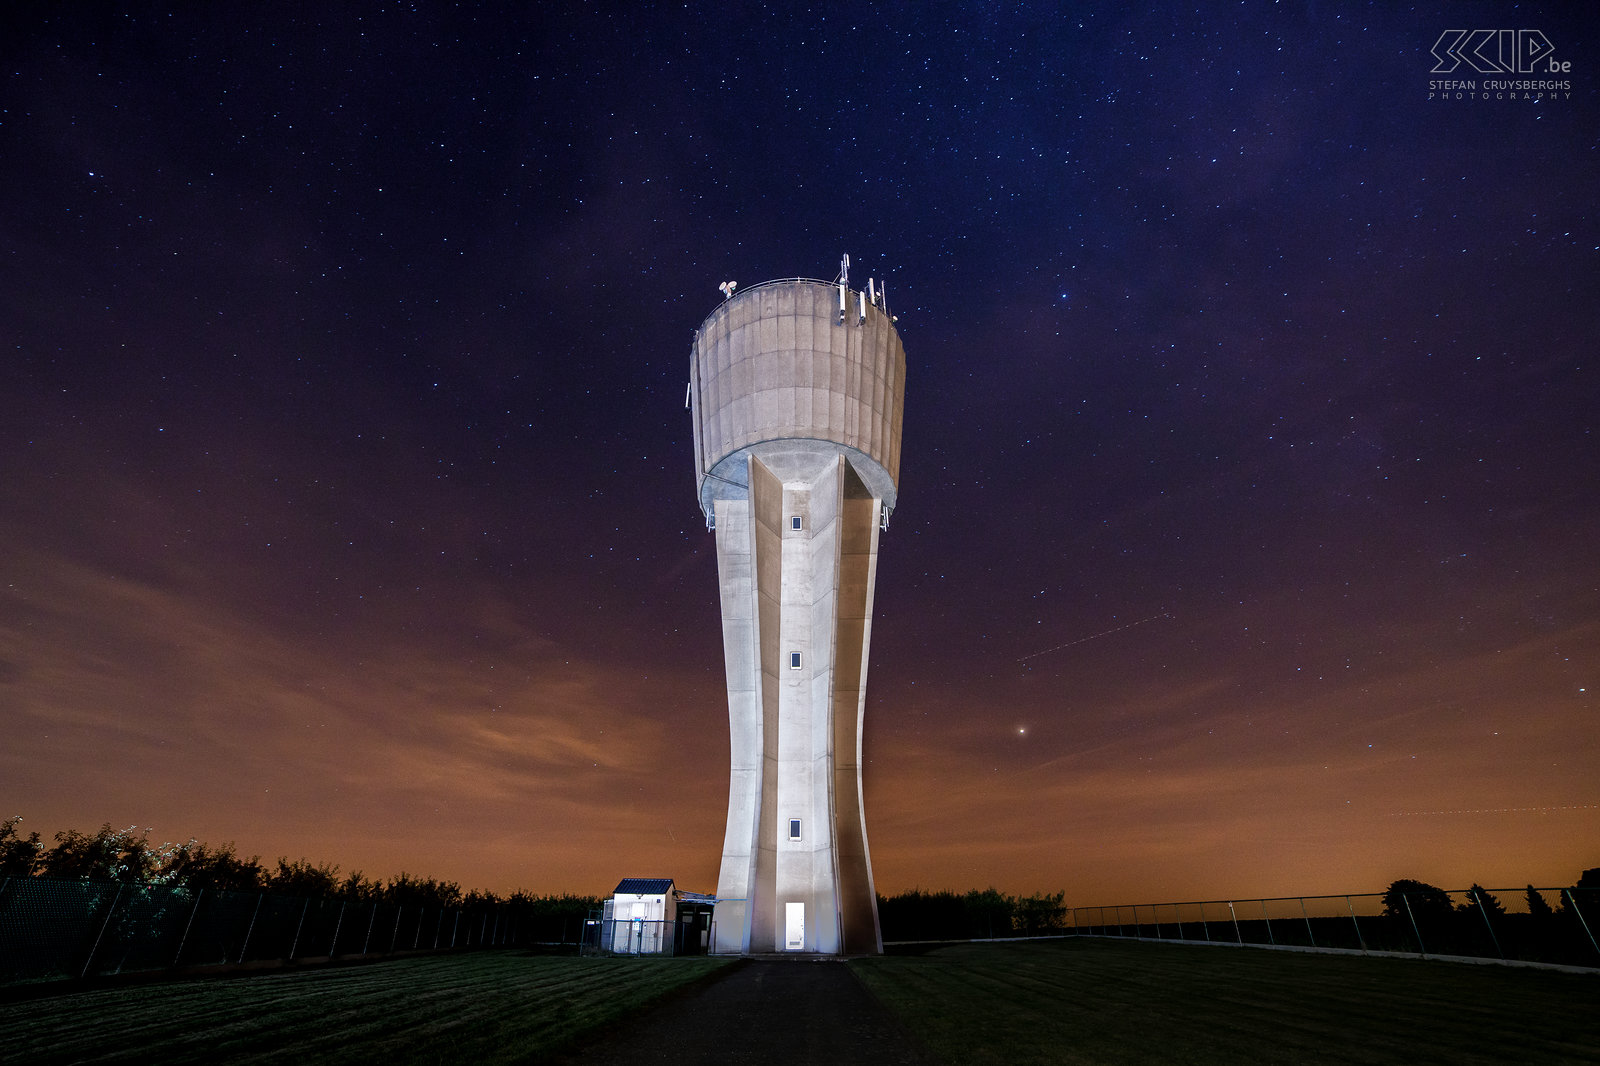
129, 856
975, 915
979, 915
1418, 900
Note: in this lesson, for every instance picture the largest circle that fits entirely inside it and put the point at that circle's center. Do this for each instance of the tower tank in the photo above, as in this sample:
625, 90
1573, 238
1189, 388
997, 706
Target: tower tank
796, 393
778, 369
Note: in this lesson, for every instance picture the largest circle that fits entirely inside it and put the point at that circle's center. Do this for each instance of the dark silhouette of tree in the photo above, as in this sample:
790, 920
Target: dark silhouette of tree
989, 913
109, 855
1042, 914
200, 866
411, 891
358, 889
1583, 898
18, 854
1537, 906
551, 919
1417, 900
919, 915
976, 915
1479, 898
301, 878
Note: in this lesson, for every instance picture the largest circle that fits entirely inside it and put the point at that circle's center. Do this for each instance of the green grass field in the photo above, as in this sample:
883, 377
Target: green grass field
1097, 1001
483, 1007
1078, 1001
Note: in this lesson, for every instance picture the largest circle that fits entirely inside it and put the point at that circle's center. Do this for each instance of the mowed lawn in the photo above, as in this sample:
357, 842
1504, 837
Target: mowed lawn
1097, 1001
483, 1007
1081, 1001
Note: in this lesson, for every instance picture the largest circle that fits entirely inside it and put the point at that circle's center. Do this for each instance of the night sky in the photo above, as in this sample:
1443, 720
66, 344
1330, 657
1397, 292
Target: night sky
1248, 525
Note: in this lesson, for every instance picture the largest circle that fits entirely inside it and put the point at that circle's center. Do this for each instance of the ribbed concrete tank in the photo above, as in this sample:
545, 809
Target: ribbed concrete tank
797, 416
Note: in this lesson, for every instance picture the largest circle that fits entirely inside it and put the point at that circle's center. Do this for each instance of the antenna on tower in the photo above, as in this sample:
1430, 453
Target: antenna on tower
726, 288
844, 283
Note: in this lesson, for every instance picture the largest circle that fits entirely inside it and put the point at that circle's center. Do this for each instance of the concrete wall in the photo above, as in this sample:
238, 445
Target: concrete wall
774, 365
795, 731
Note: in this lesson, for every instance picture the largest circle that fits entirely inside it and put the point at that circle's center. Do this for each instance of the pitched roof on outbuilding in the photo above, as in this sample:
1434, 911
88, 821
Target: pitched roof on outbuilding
643, 886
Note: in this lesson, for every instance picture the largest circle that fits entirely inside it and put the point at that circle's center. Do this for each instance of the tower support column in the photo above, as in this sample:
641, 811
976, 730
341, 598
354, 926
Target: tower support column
796, 408
795, 563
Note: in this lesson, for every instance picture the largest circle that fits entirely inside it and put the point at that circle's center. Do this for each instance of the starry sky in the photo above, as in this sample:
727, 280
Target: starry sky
1247, 530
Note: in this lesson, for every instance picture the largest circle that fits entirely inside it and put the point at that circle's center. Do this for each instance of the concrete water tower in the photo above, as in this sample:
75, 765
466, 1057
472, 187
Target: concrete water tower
796, 388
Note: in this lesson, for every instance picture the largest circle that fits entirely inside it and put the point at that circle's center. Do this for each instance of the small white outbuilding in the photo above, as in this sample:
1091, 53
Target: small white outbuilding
641, 916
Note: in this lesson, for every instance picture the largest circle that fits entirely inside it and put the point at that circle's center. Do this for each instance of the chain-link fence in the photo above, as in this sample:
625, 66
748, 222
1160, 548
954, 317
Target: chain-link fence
51, 930
637, 936
629, 936
1509, 924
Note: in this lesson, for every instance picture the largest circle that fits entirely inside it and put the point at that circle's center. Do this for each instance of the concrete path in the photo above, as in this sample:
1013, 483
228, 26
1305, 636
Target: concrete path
762, 1011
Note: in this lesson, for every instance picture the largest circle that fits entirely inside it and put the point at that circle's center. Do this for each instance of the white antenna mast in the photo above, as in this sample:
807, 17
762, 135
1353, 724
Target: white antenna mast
844, 282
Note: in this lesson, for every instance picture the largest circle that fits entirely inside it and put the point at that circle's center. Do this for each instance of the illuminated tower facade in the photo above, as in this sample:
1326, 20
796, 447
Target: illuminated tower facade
796, 389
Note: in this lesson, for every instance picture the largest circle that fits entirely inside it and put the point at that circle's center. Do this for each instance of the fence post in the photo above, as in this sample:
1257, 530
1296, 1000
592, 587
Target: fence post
1361, 940
1205, 927
1574, 905
1268, 919
338, 924
1237, 936
366, 945
454, 927
295, 943
1487, 924
96, 946
250, 930
1310, 936
1422, 949
438, 928
416, 941
187, 926
394, 936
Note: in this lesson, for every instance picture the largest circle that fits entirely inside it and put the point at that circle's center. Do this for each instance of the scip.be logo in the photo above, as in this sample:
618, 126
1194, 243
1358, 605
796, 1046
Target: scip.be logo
1496, 52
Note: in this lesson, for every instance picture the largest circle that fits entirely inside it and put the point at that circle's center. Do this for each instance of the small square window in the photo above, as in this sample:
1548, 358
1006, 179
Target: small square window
794, 829
795, 523
794, 660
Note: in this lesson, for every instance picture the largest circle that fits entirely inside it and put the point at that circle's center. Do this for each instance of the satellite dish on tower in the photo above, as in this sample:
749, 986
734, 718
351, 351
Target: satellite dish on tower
726, 288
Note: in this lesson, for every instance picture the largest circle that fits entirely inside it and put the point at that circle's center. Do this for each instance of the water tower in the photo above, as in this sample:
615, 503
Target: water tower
796, 389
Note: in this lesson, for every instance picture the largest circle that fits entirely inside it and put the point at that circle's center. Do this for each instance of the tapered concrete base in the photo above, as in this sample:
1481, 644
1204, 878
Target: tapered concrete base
796, 562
